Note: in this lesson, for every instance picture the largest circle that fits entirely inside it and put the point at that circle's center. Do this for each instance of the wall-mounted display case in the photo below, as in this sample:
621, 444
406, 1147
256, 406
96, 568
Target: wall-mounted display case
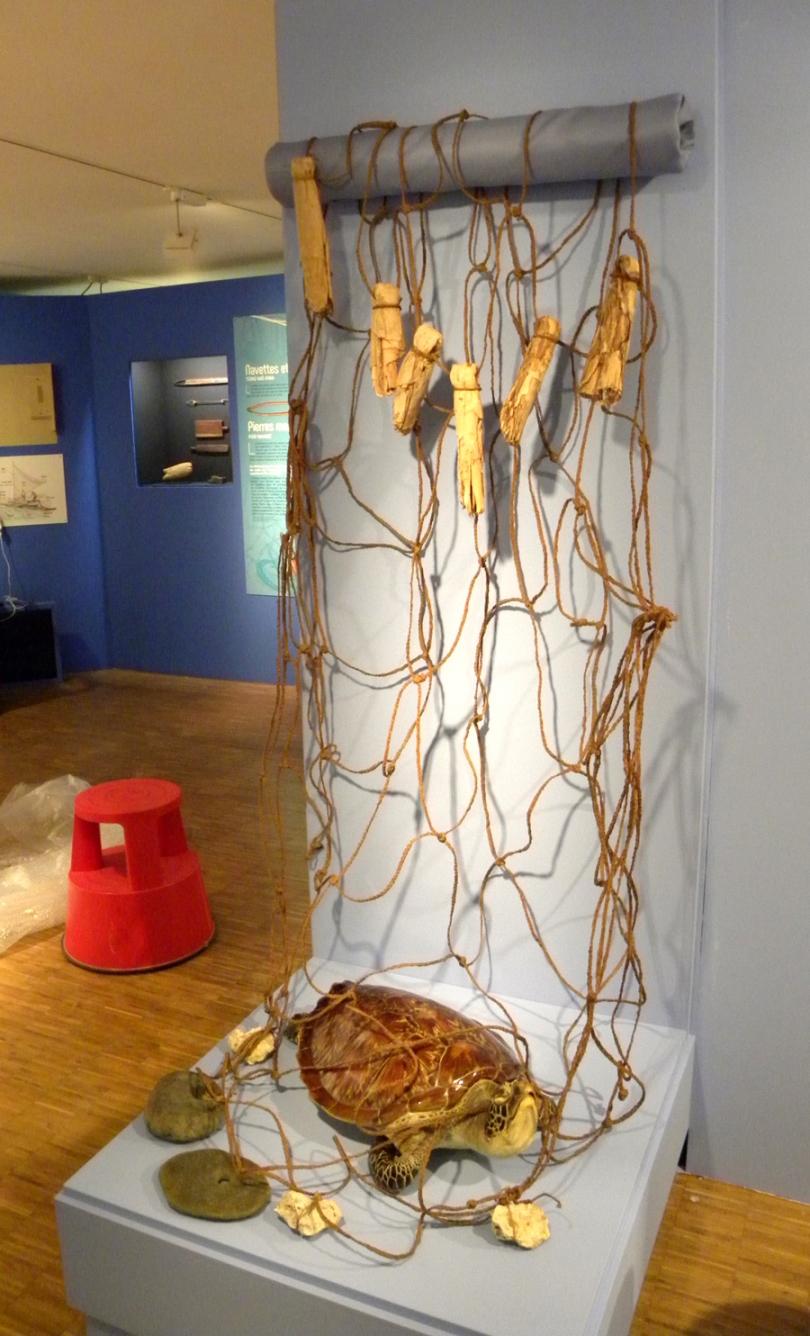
181, 420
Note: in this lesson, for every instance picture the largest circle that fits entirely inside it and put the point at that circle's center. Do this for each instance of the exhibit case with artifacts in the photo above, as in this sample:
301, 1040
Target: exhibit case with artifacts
181, 420
480, 1068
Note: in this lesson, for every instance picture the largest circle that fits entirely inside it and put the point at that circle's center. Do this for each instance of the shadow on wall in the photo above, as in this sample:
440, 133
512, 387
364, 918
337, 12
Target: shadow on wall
754, 1319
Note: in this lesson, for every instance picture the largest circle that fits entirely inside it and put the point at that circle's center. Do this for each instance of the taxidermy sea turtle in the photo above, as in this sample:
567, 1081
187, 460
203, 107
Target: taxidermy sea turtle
420, 1075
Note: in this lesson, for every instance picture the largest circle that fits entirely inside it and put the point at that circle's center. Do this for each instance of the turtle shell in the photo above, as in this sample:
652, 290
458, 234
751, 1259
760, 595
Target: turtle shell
372, 1055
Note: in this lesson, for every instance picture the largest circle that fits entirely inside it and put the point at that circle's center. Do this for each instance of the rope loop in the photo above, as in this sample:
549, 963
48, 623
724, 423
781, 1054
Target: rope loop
509, 1196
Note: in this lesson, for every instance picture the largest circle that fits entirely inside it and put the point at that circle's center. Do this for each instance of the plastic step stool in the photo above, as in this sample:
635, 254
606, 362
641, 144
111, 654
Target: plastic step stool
142, 904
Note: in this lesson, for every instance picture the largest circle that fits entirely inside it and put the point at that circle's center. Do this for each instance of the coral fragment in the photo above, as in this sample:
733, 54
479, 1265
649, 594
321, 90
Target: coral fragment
521, 1222
308, 1215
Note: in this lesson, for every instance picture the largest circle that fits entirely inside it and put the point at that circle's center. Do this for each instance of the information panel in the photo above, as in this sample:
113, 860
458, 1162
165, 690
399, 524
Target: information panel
262, 386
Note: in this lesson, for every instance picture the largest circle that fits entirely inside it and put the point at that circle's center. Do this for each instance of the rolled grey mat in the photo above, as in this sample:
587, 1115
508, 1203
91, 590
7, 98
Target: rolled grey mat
577, 144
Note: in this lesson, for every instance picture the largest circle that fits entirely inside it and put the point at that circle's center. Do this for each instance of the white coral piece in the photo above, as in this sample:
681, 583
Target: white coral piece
262, 1047
308, 1215
521, 1222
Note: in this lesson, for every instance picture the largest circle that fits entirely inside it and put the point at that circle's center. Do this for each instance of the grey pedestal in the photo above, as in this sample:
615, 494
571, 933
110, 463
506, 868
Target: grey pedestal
136, 1267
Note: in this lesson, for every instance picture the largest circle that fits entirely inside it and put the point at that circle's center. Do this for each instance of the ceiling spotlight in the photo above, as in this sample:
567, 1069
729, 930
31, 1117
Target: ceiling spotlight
191, 197
181, 241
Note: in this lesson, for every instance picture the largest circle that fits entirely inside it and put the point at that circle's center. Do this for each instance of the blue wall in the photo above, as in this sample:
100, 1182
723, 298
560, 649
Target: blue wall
173, 556
61, 563
141, 577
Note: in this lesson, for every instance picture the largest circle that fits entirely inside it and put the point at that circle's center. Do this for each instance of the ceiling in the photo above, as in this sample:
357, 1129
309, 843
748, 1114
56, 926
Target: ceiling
181, 93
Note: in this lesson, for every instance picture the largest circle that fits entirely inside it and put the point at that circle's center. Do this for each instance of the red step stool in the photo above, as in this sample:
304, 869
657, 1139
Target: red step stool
141, 904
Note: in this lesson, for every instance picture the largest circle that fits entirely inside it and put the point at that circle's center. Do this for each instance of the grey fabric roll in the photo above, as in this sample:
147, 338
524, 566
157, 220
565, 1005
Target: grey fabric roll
578, 144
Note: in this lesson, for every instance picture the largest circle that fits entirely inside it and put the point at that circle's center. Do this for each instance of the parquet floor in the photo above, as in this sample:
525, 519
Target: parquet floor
79, 1051
727, 1262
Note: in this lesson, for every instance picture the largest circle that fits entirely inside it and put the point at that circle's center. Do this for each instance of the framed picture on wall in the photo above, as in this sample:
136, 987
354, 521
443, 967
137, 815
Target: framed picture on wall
27, 408
32, 489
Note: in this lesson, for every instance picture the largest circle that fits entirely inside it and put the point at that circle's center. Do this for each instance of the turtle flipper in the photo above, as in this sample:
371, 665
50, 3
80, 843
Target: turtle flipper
392, 1169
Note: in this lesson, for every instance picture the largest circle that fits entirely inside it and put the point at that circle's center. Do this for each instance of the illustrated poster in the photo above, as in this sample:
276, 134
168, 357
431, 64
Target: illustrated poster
32, 489
27, 413
262, 386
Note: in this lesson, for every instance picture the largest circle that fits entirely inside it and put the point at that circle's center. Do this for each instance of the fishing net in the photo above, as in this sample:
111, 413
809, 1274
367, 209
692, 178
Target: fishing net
468, 610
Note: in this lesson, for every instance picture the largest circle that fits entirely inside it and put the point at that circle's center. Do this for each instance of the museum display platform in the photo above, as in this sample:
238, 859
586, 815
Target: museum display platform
134, 1266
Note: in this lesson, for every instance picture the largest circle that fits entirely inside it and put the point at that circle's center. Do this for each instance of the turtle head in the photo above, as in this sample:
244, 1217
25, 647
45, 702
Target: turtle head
513, 1117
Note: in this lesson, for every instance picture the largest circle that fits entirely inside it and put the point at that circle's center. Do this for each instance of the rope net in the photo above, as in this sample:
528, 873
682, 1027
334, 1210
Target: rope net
489, 531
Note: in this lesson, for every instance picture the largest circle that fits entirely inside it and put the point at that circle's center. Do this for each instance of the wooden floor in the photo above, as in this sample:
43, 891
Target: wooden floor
80, 1051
